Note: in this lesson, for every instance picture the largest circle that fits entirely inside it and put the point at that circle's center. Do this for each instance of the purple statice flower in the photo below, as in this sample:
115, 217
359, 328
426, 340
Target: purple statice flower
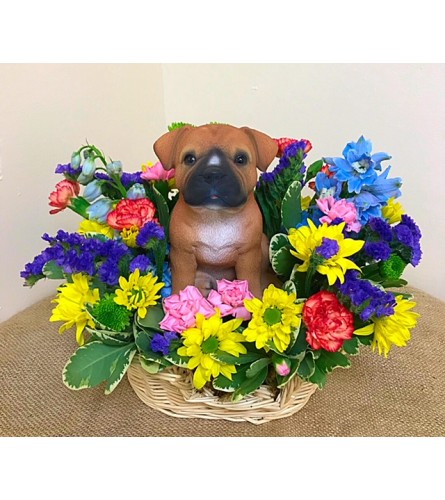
161, 342
378, 250
363, 294
109, 272
128, 179
408, 233
150, 230
328, 248
68, 170
381, 227
101, 176
75, 253
141, 262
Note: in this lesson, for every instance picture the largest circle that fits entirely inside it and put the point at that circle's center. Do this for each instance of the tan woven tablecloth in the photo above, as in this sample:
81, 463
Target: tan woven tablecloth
403, 395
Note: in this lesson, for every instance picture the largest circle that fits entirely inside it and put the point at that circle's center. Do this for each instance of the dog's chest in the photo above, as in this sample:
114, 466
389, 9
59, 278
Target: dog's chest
219, 243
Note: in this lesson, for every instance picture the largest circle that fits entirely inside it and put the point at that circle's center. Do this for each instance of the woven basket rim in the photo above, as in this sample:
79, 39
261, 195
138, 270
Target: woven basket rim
171, 392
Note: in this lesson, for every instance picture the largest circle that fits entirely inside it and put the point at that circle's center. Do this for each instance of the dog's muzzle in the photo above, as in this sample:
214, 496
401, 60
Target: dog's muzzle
214, 183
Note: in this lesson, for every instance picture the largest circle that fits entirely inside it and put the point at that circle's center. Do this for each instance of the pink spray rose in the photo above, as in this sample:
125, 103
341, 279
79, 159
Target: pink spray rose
342, 209
229, 298
181, 309
157, 173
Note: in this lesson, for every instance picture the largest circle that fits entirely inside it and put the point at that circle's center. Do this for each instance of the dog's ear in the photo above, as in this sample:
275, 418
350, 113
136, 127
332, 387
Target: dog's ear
165, 146
265, 146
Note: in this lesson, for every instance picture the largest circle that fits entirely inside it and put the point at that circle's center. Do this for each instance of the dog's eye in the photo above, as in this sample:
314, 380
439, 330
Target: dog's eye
241, 159
189, 159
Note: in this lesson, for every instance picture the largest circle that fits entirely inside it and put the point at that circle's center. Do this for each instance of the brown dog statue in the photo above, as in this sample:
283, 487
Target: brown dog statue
216, 227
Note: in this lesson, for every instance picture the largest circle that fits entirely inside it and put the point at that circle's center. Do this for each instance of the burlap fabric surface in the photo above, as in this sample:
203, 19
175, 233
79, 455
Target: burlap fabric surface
399, 396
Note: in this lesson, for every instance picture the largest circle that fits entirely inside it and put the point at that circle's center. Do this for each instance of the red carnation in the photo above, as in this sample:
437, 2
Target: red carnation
284, 142
61, 197
130, 213
328, 322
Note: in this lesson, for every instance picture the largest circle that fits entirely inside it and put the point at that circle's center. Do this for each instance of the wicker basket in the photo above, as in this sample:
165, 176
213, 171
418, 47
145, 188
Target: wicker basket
171, 391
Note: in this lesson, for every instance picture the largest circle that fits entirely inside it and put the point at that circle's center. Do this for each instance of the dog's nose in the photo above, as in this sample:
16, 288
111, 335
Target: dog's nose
213, 176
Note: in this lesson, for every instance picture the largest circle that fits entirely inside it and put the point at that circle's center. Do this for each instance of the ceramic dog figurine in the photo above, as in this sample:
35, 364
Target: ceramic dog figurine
216, 227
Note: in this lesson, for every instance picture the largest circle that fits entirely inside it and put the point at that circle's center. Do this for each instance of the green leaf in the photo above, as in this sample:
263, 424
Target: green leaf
177, 360
151, 367
365, 339
313, 170
327, 361
79, 205
351, 346
257, 366
307, 366
290, 287
97, 362
395, 283
229, 359
278, 241
143, 341
109, 338
291, 206
222, 383
299, 346
318, 377
163, 211
52, 271
250, 384
152, 319
283, 262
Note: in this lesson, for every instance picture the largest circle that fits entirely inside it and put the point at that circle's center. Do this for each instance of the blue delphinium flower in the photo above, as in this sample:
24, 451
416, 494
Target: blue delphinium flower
161, 342
358, 167
136, 191
327, 186
92, 190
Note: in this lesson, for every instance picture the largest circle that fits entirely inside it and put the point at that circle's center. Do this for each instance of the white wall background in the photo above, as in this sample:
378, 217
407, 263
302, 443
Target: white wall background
48, 110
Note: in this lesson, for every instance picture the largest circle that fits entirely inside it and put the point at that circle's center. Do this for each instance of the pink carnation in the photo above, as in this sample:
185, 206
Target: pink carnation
229, 298
158, 173
339, 209
181, 309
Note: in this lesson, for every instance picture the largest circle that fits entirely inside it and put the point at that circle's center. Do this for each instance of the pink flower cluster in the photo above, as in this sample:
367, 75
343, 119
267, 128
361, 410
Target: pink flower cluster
181, 309
339, 209
157, 173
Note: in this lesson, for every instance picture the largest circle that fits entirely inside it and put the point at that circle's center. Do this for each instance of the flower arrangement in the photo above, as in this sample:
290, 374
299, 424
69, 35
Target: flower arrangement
339, 243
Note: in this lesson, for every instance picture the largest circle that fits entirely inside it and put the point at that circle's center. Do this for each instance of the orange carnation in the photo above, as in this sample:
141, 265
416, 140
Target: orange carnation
61, 197
129, 213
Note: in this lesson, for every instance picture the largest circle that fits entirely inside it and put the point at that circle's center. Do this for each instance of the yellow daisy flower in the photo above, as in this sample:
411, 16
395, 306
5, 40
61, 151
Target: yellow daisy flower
307, 239
129, 236
211, 335
138, 292
393, 211
274, 317
71, 302
392, 330
94, 227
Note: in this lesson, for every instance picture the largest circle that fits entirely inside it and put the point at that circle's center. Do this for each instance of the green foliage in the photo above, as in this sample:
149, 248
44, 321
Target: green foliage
250, 384
154, 316
313, 170
283, 262
52, 271
110, 315
97, 362
291, 206
176, 125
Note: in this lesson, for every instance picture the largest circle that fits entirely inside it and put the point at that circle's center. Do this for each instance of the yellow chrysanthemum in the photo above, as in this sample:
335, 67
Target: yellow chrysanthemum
94, 227
305, 202
274, 318
71, 302
307, 239
138, 292
394, 329
129, 236
211, 335
393, 211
